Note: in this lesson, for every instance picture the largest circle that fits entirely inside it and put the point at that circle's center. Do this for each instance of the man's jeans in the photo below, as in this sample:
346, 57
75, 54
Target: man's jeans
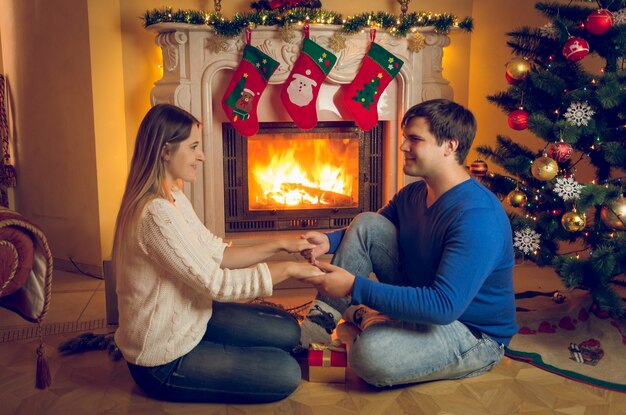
397, 352
243, 358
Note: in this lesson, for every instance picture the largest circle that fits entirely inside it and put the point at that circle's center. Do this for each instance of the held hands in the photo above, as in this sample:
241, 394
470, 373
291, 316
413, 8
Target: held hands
336, 282
294, 245
320, 245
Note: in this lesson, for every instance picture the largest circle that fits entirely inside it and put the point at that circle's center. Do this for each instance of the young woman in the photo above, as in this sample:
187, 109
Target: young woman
183, 338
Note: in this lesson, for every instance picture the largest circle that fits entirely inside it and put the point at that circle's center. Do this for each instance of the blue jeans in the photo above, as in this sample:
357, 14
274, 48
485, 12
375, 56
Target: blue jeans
243, 358
400, 352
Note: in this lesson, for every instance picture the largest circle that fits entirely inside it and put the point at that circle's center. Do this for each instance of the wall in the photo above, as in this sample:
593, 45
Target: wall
79, 96
68, 113
50, 77
492, 19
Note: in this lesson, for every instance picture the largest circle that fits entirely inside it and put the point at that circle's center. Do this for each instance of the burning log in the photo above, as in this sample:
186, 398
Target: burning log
325, 197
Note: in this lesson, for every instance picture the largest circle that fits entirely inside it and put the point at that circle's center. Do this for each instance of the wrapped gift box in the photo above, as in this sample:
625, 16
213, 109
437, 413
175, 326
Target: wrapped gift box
327, 362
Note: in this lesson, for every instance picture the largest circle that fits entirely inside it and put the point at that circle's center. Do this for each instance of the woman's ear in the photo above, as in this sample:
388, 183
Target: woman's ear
166, 152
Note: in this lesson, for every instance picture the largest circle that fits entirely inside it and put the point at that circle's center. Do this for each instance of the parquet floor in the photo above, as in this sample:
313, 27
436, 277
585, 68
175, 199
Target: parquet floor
92, 383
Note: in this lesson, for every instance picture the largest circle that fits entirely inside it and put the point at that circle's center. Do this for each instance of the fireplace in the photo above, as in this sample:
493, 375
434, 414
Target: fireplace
284, 178
195, 77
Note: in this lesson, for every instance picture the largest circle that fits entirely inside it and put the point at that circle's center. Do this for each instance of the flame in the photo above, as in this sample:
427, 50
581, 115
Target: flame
302, 173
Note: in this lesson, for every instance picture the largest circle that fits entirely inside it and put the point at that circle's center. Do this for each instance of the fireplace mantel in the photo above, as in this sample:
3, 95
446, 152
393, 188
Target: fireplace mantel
195, 78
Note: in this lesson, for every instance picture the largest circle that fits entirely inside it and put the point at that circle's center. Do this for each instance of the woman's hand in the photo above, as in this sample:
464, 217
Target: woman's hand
290, 269
320, 243
293, 245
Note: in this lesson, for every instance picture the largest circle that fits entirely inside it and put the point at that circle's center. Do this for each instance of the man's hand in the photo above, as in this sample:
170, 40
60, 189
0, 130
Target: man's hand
337, 282
320, 243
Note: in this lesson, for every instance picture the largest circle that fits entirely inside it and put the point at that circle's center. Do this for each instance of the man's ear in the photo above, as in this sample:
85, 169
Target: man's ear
451, 145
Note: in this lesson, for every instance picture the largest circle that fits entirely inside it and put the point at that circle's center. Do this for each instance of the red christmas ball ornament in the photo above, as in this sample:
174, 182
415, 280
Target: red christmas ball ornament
511, 80
599, 22
478, 168
560, 151
575, 49
518, 120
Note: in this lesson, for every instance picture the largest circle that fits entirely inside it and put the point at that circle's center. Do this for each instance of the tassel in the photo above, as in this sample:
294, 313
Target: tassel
42, 376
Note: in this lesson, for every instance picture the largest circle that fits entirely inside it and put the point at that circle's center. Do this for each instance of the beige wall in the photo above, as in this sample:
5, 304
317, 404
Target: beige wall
46, 62
79, 95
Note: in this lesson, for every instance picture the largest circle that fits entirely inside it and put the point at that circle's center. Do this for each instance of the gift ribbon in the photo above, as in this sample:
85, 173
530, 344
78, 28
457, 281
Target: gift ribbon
327, 348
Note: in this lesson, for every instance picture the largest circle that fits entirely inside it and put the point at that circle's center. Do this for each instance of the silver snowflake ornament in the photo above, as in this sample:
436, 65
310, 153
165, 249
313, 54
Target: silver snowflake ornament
579, 113
567, 188
548, 30
526, 240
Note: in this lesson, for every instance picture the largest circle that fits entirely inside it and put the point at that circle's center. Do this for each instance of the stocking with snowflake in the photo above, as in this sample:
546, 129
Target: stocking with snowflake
377, 71
242, 94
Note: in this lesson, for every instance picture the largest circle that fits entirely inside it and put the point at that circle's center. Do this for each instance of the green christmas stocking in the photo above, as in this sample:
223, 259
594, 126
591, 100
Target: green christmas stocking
377, 71
242, 94
299, 94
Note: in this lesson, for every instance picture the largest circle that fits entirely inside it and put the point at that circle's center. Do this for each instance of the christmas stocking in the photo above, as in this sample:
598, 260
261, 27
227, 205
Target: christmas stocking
299, 94
377, 71
242, 94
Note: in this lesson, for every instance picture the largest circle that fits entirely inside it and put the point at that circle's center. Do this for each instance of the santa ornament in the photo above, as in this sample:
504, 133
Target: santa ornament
299, 94
242, 94
575, 49
377, 71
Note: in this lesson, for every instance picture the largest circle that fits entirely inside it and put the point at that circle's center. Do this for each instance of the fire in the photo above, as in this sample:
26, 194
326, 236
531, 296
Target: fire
304, 173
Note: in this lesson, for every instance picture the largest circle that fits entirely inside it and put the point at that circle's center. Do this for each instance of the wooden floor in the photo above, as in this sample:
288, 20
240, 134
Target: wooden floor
92, 383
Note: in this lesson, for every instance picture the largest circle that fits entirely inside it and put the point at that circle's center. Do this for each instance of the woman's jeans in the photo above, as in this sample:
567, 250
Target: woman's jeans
243, 358
396, 352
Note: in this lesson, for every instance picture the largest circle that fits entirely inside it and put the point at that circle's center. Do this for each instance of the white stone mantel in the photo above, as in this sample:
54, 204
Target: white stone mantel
191, 80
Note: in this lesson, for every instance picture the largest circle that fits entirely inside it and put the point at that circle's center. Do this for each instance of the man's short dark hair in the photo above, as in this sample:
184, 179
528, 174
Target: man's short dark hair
446, 120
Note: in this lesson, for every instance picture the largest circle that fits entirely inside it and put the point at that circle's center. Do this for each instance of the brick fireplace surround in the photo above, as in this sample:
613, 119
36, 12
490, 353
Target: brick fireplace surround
195, 78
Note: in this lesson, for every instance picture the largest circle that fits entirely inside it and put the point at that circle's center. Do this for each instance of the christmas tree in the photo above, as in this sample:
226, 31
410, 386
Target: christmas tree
366, 95
566, 199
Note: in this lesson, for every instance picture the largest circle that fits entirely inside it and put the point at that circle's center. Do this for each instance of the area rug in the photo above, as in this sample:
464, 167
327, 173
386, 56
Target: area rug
562, 332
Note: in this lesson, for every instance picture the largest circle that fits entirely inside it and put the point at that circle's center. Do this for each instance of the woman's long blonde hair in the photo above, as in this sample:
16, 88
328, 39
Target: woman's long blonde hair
164, 124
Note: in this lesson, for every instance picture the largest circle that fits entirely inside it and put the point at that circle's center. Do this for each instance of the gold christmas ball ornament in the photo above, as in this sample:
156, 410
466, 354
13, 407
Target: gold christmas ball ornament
544, 168
614, 215
516, 198
573, 221
518, 68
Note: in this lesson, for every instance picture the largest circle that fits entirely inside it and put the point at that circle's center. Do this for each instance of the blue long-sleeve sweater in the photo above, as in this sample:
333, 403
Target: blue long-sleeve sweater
458, 258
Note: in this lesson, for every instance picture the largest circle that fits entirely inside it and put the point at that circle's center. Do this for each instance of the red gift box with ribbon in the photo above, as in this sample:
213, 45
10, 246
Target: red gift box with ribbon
328, 362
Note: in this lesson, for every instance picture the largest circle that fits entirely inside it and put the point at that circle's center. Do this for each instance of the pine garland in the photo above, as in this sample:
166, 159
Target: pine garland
396, 25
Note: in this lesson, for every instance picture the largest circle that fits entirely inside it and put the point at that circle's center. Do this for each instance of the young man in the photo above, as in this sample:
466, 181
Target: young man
442, 254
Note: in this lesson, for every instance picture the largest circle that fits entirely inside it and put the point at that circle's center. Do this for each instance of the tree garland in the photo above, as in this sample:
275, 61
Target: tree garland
395, 25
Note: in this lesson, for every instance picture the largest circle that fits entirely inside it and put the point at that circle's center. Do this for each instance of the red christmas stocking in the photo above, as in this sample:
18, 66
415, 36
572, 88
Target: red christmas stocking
377, 71
299, 94
242, 95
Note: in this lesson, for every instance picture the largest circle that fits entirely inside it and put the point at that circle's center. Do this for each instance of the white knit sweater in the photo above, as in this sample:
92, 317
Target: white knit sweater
169, 279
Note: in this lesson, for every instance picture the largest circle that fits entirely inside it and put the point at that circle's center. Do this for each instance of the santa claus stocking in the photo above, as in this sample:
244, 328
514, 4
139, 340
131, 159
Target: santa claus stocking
377, 71
242, 94
299, 94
